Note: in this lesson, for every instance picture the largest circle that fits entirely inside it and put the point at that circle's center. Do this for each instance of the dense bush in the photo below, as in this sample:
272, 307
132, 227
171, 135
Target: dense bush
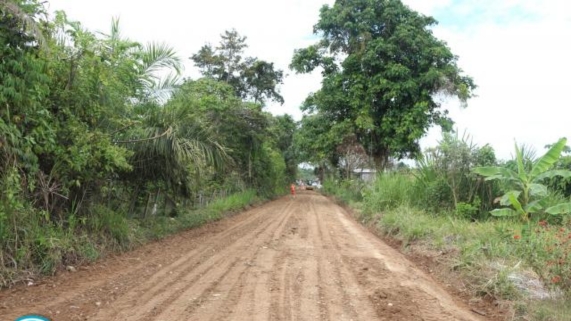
446, 181
96, 145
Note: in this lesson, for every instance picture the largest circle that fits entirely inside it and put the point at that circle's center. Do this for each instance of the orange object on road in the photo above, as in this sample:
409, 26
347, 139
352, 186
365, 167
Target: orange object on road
292, 189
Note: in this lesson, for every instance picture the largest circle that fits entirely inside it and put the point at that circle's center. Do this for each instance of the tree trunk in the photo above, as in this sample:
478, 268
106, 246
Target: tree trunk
320, 174
147, 205
381, 161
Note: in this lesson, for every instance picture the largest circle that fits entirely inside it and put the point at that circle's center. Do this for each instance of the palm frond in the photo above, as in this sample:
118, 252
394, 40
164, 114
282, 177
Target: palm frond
170, 144
156, 60
160, 90
157, 57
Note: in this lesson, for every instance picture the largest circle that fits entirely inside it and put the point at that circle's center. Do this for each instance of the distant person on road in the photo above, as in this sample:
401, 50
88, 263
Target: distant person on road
292, 190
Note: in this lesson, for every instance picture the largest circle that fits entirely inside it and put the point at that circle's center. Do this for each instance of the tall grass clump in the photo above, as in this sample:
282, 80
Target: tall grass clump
233, 202
348, 191
32, 245
389, 191
218, 208
445, 181
110, 224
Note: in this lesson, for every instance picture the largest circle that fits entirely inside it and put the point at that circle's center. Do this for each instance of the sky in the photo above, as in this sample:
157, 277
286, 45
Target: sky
517, 51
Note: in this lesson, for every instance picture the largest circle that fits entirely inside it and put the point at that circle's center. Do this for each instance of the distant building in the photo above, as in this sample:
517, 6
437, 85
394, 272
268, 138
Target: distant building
366, 174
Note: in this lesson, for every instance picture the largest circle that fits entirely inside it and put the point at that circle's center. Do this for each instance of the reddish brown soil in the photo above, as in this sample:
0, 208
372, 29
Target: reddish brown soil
291, 259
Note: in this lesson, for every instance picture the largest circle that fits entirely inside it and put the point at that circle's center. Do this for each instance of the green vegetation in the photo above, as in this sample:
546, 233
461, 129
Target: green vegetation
45, 247
306, 174
382, 67
499, 257
103, 145
249, 77
530, 196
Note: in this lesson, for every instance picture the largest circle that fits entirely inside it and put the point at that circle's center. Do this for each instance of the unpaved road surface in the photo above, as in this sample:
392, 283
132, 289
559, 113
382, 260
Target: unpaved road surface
290, 259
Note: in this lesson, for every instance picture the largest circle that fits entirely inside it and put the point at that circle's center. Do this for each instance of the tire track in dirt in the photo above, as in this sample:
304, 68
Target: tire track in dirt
397, 289
317, 241
295, 283
170, 276
202, 271
225, 283
350, 295
73, 297
291, 259
260, 282
76, 301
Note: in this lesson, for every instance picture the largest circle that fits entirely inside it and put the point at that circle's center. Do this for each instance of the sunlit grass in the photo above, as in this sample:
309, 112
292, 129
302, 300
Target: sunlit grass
488, 254
45, 247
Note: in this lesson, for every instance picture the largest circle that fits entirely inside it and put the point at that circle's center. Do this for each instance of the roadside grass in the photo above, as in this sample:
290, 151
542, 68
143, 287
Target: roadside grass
548, 310
491, 256
347, 191
162, 226
41, 247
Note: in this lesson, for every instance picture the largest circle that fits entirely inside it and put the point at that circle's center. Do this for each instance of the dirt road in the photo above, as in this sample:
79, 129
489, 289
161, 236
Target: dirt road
291, 259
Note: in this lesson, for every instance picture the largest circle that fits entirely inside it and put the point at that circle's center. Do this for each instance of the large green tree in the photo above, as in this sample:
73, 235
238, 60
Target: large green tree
283, 129
253, 79
382, 67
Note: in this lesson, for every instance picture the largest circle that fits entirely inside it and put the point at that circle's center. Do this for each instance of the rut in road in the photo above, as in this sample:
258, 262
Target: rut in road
291, 259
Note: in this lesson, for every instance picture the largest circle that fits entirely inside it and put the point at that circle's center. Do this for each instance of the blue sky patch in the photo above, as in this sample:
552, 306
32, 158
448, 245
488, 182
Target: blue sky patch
463, 14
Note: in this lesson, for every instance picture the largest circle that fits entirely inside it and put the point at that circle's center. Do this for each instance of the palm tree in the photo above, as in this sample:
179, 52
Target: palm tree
171, 147
157, 65
165, 140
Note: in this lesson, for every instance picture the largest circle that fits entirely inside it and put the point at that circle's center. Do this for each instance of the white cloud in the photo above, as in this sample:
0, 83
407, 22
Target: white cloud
517, 51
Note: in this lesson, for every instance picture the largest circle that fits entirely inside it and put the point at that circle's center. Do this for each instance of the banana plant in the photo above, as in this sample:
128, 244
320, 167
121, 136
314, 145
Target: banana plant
529, 194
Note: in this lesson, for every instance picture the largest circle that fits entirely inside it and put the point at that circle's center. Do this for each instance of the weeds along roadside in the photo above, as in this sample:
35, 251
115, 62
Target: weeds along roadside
41, 248
528, 275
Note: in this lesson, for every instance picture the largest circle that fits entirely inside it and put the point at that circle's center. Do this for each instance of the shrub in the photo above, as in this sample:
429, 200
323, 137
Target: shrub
467, 210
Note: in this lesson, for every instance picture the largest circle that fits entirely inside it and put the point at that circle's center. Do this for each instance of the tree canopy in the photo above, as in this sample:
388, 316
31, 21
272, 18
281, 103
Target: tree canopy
382, 68
251, 78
